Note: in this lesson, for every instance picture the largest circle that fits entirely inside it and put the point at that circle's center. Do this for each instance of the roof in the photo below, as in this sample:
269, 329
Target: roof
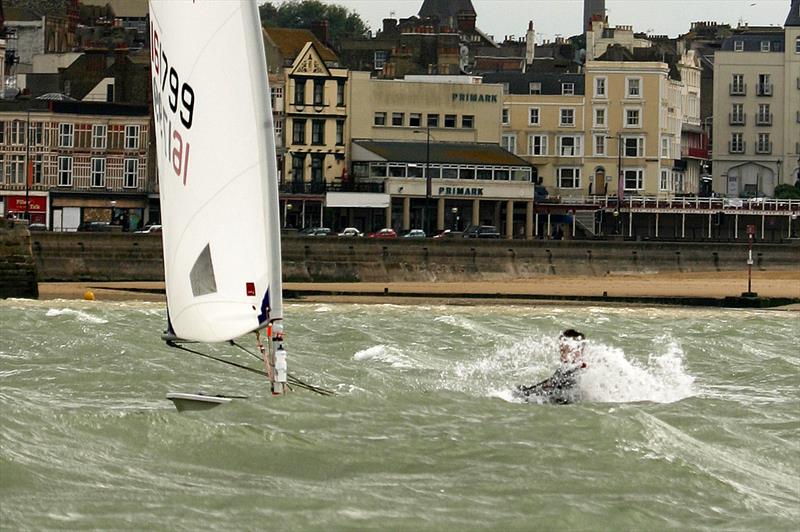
74, 107
794, 15
445, 8
519, 83
752, 42
291, 41
442, 152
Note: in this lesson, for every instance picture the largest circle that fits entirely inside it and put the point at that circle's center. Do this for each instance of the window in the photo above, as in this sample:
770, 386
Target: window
764, 87
537, 144
65, 171
506, 87
36, 132
415, 119
16, 170
599, 145
509, 142
379, 119
663, 183
569, 146
633, 117
316, 167
298, 167
2, 133
736, 144
504, 118
131, 175
98, 171
797, 45
433, 120
533, 116
764, 114
468, 121
318, 132
738, 46
634, 179
567, 89
634, 87
99, 136
278, 131
599, 117
298, 131
340, 93
2, 168
398, 119
633, 146
17, 132
131, 137
300, 91
340, 132
567, 117
765, 46
568, 177
535, 87
379, 59
37, 169
737, 84
276, 98
763, 145
319, 92
449, 120
66, 137
600, 87
665, 147
737, 114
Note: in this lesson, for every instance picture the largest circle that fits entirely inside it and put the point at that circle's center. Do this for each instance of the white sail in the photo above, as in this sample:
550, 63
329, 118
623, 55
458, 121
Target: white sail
216, 166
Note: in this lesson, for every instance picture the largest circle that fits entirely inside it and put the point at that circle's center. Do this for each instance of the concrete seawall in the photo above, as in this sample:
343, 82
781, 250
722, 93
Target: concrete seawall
130, 257
17, 265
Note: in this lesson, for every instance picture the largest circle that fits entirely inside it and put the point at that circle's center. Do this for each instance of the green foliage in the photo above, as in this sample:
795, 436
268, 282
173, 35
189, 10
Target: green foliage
786, 191
342, 22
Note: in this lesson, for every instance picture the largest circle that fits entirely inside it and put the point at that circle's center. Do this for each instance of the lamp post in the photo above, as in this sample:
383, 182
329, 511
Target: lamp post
428, 182
28, 168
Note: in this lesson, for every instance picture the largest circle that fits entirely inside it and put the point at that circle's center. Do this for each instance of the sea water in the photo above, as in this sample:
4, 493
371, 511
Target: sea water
690, 419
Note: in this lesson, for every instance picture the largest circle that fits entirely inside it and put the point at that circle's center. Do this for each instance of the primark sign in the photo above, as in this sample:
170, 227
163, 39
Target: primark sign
477, 98
461, 191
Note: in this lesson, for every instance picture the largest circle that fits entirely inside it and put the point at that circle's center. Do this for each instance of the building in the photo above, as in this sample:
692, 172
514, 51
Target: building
428, 148
593, 10
757, 110
70, 163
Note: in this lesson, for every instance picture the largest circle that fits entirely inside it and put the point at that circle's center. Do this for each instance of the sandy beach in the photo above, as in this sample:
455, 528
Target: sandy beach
718, 285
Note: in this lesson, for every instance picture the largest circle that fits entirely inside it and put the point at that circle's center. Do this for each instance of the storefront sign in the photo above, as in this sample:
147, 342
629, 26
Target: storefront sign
17, 204
479, 98
460, 191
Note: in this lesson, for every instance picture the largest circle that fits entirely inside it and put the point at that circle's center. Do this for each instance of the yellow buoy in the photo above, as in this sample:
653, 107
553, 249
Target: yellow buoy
88, 295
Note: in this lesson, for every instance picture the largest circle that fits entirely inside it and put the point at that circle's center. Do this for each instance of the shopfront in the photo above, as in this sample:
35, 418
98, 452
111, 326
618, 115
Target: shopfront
14, 207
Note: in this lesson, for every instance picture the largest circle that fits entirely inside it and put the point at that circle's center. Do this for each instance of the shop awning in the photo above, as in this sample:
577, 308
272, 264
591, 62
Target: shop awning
357, 199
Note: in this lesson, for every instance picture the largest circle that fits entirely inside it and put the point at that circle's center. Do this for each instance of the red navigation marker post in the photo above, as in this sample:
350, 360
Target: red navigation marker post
751, 233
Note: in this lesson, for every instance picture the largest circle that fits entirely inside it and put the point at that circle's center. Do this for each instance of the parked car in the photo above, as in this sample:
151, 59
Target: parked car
351, 232
37, 227
384, 233
415, 233
315, 231
448, 233
481, 231
150, 229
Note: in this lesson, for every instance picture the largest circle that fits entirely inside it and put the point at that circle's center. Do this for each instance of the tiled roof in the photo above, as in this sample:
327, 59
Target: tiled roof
442, 152
519, 83
794, 14
290, 42
445, 8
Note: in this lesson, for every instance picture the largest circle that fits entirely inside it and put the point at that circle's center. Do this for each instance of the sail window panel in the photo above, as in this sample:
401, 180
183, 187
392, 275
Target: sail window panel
201, 276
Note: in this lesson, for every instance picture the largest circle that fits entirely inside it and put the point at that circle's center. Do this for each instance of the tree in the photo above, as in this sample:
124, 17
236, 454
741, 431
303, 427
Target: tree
342, 22
786, 191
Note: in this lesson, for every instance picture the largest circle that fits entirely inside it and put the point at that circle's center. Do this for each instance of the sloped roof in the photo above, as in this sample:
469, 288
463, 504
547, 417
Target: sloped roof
445, 8
291, 41
794, 14
442, 152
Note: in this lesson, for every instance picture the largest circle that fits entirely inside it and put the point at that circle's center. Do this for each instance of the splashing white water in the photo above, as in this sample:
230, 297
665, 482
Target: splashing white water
82, 316
386, 354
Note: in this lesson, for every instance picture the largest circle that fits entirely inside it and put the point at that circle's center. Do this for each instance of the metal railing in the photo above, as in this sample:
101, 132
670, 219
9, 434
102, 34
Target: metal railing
764, 89
322, 187
737, 90
710, 204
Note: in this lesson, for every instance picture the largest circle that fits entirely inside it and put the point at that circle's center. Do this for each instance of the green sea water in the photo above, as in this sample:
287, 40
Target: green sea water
690, 420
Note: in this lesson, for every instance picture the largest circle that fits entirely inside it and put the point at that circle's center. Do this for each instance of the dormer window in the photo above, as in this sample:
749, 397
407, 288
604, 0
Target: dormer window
738, 46
535, 88
567, 89
765, 46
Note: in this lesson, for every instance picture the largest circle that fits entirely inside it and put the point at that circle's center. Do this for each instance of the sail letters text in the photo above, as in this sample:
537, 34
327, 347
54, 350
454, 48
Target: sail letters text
169, 94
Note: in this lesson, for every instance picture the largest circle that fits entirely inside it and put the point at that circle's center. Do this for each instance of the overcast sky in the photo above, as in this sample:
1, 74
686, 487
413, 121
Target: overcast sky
563, 17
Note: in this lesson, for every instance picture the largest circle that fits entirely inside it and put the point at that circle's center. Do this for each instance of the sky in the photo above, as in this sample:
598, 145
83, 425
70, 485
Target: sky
554, 18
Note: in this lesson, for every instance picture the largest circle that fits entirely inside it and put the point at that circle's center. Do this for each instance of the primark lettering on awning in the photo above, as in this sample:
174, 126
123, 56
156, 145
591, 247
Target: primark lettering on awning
460, 191
480, 98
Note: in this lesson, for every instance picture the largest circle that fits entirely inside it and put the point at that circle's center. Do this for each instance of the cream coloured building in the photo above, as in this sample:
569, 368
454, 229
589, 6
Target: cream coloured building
757, 110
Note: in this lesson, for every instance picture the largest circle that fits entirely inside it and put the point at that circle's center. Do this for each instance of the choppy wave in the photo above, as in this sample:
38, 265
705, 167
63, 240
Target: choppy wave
79, 314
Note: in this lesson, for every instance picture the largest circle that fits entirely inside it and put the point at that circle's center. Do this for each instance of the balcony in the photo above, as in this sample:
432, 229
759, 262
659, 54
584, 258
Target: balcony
764, 89
736, 147
737, 89
737, 119
764, 120
764, 148
695, 153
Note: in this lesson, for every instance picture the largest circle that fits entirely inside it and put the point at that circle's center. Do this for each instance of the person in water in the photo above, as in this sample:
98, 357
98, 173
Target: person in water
559, 388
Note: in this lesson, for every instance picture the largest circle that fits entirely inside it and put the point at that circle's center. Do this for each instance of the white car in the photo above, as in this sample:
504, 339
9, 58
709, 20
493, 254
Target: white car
150, 229
351, 231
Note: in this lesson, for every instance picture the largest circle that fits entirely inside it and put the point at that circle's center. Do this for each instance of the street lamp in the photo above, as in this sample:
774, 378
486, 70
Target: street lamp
427, 178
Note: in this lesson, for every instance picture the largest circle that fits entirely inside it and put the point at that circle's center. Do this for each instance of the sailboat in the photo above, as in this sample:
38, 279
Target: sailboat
218, 179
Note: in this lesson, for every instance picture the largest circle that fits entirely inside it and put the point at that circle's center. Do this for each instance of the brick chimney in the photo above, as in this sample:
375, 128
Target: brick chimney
321, 30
